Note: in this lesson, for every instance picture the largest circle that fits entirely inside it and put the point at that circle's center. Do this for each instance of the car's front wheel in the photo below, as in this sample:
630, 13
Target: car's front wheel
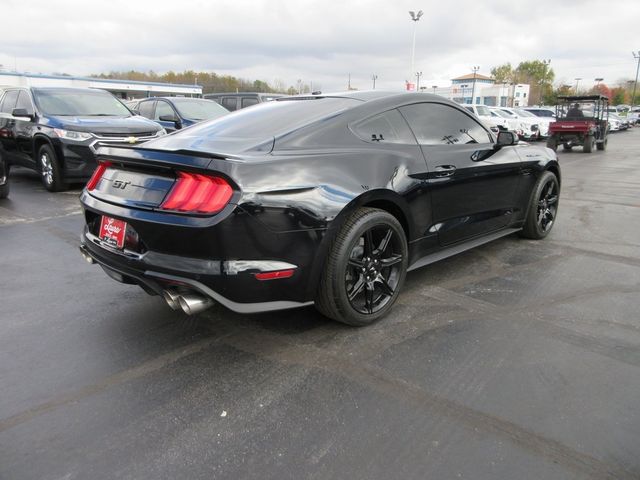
543, 207
50, 169
365, 270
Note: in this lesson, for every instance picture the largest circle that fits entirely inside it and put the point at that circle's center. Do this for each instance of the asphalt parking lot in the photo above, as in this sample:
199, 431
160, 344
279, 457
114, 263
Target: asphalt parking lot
517, 360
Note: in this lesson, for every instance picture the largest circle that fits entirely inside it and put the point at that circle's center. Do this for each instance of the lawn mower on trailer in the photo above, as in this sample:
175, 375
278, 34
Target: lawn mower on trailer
581, 121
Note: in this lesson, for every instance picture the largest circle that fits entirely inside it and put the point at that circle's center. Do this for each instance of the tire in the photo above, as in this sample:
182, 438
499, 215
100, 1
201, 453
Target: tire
50, 169
589, 142
552, 143
365, 269
4, 179
543, 207
603, 144
566, 147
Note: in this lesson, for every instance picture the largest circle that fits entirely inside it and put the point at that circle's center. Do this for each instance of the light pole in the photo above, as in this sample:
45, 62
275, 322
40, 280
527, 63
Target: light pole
414, 17
473, 89
374, 77
434, 88
545, 64
577, 79
418, 75
635, 85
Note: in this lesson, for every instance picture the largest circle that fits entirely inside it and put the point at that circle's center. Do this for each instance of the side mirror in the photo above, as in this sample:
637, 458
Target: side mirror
171, 118
506, 138
22, 112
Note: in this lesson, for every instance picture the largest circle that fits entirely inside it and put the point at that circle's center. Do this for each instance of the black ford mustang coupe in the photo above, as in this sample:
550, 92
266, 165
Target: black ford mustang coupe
325, 200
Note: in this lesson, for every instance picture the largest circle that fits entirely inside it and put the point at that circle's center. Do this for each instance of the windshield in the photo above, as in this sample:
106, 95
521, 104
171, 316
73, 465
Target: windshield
195, 109
71, 102
524, 113
508, 114
502, 114
483, 111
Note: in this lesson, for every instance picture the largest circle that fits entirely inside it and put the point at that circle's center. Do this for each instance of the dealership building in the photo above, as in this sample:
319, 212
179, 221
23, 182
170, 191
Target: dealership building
125, 89
486, 91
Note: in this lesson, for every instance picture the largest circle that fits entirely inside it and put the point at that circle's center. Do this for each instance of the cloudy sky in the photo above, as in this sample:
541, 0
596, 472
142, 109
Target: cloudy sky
322, 42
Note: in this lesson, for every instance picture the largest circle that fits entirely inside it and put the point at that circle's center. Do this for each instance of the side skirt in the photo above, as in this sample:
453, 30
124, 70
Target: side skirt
461, 247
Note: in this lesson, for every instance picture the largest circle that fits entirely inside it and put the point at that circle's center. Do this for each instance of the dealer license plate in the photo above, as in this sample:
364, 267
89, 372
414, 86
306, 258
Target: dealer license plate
112, 232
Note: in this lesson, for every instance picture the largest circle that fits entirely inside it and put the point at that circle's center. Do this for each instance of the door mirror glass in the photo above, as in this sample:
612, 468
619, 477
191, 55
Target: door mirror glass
506, 138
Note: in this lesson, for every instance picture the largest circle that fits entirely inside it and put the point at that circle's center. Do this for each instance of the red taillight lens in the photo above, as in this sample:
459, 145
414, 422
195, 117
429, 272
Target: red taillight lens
275, 275
97, 175
198, 193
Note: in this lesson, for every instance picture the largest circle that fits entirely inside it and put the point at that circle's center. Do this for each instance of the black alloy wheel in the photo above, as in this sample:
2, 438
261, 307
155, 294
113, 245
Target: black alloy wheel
543, 207
365, 270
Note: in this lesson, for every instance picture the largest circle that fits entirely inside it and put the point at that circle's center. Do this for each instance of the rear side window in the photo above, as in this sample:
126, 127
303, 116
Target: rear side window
438, 124
229, 103
146, 109
9, 101
387, 127
248, 101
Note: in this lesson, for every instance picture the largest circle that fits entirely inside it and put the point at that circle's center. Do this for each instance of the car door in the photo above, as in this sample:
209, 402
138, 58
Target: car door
473, 184
25, 128
8, 126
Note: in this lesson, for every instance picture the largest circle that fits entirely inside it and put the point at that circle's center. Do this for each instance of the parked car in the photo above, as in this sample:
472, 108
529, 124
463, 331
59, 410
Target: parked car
544, 112
542, 122
511, 123
528, 124
56, 131
174, 113
235, 101
484, 114
633, 116
325, 200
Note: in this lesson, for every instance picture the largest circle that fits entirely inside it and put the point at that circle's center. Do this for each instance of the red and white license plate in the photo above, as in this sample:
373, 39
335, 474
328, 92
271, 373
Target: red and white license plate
112, 232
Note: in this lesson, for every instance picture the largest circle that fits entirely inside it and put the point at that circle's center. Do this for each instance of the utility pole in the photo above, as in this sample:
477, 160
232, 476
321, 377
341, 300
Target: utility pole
434, 88
414, 17
374, 77
418, 75
635, 85
473, 89
349, 83
546, 63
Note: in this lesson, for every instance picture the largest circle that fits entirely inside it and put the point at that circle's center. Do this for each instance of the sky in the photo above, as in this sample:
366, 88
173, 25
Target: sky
322, 43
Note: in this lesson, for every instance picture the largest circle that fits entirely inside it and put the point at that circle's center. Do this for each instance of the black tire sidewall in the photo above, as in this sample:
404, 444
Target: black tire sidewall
56, 184
342, 250
532, 229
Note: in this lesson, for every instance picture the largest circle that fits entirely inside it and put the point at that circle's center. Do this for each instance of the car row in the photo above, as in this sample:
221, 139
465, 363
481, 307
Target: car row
57, 131
175, 113
318, 199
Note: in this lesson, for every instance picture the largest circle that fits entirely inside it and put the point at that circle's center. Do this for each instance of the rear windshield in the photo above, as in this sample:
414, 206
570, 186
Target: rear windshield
271, 118
70, 102
483, 111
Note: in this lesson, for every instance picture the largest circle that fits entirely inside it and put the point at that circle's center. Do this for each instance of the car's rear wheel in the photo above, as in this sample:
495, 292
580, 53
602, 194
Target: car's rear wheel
543, 207
589, 142
365, 270
50, 170
4, 178
567, 147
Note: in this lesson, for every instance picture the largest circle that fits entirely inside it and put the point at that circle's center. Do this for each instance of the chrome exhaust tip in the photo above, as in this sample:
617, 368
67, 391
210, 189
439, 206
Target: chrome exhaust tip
172, 299
88, 258
192, 304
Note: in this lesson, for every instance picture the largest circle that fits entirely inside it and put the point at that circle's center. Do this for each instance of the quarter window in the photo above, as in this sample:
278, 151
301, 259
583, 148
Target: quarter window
229, 103
247, 102
438, 124
387, 127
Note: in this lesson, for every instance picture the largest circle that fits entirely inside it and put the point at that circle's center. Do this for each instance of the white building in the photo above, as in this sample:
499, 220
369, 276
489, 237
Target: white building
121, 88
486, 91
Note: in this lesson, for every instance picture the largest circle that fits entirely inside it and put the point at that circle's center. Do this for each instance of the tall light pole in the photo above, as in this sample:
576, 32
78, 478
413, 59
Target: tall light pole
635, 85
545, 64
577, 79
434, 88
414, 17
418, 75
374, 77
473, 89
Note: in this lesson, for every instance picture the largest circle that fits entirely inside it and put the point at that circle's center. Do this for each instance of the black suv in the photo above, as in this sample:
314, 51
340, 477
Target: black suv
174, 113
236, 101
56, 131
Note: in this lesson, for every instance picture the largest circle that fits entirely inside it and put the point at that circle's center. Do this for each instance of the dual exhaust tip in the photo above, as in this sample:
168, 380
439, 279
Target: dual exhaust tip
189, 303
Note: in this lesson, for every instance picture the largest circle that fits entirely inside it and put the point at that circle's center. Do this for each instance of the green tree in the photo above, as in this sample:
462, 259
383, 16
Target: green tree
618, 96
503, 73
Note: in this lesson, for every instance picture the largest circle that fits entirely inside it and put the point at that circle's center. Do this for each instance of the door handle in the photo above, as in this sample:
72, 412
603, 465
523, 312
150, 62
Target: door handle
445, 170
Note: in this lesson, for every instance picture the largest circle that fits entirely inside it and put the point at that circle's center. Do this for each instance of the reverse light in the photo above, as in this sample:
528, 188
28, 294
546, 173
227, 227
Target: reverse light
197, 193
97, 175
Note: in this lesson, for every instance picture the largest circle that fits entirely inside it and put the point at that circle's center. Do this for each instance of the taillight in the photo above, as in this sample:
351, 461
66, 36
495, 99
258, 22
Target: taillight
197, 193
97, 175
